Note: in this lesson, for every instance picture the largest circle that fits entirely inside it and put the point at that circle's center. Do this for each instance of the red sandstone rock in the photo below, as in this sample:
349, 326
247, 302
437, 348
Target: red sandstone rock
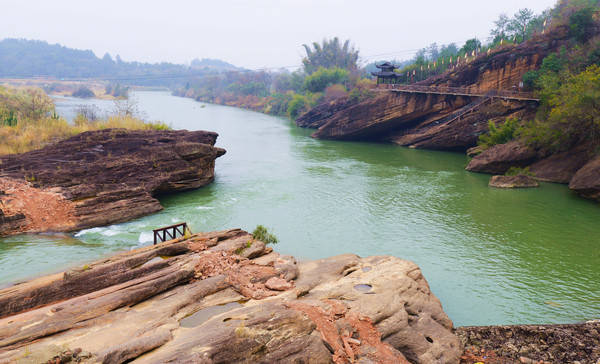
101, 177
499, 158
586, 181
278, 284
519, 181
132, 307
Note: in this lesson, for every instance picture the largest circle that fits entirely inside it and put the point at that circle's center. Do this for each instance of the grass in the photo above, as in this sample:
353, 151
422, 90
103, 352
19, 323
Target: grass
34, 134
517, 171
262, 233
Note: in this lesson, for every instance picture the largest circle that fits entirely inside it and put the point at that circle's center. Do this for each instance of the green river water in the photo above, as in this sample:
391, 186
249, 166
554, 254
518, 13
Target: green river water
492, 256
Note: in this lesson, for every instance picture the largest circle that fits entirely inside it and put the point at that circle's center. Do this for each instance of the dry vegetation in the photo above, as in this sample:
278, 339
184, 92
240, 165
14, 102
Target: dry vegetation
28, 121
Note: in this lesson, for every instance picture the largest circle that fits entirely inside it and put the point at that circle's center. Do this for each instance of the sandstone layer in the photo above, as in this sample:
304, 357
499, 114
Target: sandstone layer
101, 177
206, 299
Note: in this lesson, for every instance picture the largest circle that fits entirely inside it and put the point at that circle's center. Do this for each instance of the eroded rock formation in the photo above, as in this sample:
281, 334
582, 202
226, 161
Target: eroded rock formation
101, 177
577, 167
206, 299
586, 181
424, 120
518, 181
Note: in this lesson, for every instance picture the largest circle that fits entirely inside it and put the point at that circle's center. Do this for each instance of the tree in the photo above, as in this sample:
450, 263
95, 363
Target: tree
324, 77
449, 50
433, 51
83, 92
107, 58
329, 54
575, 108
580, 23
518, 24
126, 107
499, 32
470, 46
35, 104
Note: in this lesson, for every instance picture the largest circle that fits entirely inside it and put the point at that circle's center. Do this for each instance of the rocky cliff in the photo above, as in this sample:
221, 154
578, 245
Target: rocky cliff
224, 297
578, 167
101, 177
424, 120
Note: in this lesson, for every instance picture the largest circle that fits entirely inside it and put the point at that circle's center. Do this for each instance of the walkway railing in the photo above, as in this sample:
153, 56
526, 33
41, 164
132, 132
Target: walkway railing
170, 232
458, 91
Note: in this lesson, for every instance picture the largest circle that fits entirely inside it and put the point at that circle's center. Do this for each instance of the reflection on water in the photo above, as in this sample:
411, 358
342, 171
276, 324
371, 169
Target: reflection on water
490, 255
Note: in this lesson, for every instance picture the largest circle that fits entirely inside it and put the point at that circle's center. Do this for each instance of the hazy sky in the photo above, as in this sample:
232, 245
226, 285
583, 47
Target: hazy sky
252, 33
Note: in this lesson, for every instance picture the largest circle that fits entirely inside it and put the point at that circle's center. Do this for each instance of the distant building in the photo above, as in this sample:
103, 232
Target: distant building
387, 74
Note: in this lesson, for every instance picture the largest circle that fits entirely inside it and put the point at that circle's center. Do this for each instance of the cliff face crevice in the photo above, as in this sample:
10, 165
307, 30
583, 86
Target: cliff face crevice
101, 177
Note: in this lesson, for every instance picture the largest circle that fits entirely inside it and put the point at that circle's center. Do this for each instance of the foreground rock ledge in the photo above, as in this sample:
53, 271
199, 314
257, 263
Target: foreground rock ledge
224, 297
101, 177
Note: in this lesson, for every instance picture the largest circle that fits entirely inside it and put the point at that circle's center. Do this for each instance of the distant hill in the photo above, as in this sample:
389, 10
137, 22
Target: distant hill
21, 58
214, 64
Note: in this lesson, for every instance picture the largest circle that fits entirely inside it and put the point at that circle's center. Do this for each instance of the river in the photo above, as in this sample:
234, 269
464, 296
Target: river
492, 256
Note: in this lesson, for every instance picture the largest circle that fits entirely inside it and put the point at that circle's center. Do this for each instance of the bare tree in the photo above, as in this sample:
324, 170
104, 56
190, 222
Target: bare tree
126, 107
89, 112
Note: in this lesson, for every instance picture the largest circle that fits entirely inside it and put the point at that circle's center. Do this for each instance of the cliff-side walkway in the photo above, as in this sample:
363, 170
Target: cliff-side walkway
458, 91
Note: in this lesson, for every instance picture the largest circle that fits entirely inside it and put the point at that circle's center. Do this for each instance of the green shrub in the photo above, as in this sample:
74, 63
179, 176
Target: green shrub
83, 93
296, 106
580, 23
499, 134
8, 118
323, 77
261, 233
530, 79
518, 171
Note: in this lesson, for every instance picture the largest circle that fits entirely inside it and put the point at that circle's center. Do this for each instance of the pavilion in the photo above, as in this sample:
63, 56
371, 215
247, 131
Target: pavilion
387, 74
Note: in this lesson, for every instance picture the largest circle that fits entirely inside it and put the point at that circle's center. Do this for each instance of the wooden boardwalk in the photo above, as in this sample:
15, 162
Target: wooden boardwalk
457, 91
